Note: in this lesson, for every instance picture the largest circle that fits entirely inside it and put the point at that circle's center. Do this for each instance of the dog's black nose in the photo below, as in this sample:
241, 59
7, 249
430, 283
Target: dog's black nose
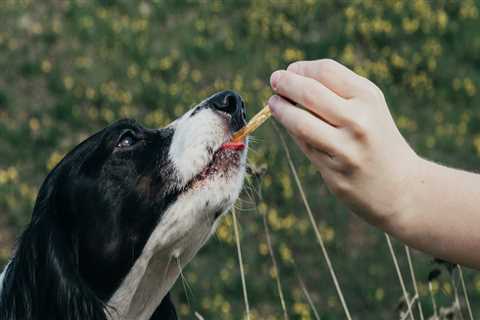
231, 103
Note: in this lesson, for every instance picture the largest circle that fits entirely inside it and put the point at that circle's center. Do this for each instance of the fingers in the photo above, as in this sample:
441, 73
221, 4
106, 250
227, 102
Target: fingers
312, 95
333, 75
304, 126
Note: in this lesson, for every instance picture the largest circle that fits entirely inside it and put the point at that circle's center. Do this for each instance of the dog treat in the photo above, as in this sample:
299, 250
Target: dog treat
253, 124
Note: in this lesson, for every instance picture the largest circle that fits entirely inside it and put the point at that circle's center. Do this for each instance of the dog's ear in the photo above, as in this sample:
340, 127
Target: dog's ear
165, 311
43, 280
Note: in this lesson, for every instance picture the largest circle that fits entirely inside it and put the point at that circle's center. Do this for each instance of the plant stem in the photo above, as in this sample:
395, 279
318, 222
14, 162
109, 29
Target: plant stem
275, 267
240, 262
465, 293
414, 281
400, 277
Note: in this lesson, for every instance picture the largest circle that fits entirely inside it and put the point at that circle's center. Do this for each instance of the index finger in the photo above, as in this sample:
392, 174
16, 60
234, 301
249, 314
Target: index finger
312, 95
332, 74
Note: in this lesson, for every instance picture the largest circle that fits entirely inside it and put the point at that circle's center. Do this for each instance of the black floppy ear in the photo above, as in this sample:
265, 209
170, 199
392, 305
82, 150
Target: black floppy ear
165, 311
43, 280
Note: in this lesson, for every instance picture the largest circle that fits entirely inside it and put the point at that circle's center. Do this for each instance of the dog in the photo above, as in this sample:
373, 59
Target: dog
119, 217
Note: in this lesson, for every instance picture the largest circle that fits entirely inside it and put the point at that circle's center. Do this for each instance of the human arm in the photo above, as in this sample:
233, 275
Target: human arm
346, 130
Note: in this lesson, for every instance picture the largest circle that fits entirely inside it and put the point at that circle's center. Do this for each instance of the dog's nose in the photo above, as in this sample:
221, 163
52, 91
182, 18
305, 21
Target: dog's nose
231, 103
226, 101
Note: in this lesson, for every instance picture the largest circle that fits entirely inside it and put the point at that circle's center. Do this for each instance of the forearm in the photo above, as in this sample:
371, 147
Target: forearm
440, 213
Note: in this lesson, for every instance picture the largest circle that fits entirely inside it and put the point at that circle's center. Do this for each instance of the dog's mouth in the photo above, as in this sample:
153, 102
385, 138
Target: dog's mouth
226, 157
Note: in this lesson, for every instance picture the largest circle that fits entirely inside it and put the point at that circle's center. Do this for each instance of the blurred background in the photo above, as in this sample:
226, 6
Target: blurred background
69, 68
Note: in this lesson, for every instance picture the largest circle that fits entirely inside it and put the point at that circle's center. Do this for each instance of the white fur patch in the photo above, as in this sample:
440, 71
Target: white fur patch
194, 137
188, 223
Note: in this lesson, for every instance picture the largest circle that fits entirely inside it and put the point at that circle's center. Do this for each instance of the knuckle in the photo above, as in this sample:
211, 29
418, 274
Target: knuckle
359, 127
309, 97
295, 66
340, 187
303, 132
352, 162
375, 91
328, 63
365, 83
372, 89
329, 67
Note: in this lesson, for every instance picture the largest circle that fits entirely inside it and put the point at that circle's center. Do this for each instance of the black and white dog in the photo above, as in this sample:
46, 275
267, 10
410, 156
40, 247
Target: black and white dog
122, 213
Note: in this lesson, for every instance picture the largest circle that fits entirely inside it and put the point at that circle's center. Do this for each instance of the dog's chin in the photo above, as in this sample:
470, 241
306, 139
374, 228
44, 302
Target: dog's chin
226, 163
216, 187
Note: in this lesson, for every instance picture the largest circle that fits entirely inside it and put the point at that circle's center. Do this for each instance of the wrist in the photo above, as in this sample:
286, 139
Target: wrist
411, 176
409, 200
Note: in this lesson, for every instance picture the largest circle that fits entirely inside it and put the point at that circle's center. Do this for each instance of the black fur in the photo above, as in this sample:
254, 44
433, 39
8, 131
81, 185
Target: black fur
93, 215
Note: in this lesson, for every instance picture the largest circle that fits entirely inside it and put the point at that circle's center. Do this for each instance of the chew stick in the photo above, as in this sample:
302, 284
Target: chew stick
253, 124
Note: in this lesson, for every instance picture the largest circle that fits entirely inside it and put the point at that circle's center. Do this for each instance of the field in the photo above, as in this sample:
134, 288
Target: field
69, 68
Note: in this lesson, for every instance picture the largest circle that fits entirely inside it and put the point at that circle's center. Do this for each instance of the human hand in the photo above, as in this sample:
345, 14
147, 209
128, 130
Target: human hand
343, 124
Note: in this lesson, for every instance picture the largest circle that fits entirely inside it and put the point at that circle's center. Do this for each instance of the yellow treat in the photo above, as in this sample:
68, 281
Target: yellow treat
253, 124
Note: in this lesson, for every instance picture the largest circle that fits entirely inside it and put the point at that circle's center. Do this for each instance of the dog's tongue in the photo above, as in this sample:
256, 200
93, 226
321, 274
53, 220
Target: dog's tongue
237, 146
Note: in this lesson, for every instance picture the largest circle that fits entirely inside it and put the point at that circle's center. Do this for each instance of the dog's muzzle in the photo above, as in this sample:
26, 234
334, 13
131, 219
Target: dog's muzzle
232, 104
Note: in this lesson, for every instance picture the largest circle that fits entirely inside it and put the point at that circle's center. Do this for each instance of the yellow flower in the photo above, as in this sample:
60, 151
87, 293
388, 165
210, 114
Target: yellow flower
263, 249
292, 54
442, 19
46, 66
476, 144
379, 294
469, 86
34, 124
68, 82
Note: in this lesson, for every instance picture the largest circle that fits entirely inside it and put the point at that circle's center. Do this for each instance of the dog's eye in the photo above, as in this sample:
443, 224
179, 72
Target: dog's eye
127, 140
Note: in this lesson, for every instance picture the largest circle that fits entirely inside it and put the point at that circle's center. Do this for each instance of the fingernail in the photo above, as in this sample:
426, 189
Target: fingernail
273, 104
274, 79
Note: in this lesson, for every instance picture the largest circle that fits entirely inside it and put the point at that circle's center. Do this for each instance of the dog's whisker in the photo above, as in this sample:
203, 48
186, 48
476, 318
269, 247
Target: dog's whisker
248, 207
243, 209
246, 201
250, 190
252, 150
186, 287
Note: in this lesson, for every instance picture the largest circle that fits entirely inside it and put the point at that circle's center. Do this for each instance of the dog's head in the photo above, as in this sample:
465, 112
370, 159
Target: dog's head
130, 198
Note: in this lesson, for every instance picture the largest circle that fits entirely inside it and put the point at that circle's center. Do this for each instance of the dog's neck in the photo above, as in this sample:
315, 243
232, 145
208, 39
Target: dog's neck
171, 246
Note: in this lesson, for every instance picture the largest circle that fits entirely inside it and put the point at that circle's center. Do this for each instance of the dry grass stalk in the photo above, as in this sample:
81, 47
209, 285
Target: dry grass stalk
240, 262
400, 277
275, 267
414, 281
307, 294
434, 302
409, 307
465, 293
314, 225
456, 297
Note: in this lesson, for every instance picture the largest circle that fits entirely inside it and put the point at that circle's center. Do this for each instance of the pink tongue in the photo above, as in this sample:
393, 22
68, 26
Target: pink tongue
237, 146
